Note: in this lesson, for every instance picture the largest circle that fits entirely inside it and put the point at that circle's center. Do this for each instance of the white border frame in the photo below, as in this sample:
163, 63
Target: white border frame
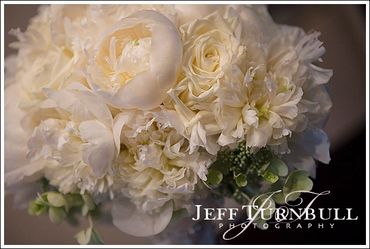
186, 246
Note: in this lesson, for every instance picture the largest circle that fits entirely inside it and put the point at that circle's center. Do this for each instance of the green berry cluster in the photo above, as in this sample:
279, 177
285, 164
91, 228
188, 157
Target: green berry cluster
239, 172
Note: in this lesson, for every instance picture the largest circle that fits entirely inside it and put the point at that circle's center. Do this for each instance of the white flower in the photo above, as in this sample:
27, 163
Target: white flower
136, 61
153, 170
46, 57
292, 56
71, 142
81, 144
264, 92
211, 45
17, 167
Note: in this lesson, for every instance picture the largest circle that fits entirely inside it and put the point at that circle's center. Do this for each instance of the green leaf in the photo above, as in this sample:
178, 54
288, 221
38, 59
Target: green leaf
297, 181
221, 165
278, 197
270, 177
56, 214
36, 209
56, 199
73, 200
241, 180
178, 214
214, 177
95, 238
278, 167
42, 200
89, 204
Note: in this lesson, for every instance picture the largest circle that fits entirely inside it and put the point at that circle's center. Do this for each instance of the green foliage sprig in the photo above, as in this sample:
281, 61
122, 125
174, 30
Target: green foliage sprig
240, 173
62, 207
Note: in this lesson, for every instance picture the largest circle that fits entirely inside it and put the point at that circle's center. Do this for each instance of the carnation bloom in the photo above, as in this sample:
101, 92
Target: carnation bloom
154, 171
294, 57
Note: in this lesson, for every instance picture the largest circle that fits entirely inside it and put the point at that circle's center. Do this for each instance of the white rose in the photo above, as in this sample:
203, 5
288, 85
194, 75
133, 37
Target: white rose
211, 46
136, 61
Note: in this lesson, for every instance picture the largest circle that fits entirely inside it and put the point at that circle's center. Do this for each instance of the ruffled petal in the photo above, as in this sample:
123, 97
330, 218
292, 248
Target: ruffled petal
82, 105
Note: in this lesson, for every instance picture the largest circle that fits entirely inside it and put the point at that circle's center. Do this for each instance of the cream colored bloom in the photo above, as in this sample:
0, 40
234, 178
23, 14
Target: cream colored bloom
294, 56
71, 142
211, 45
154, 171
261, 95
48, 56
136, 61
17, 167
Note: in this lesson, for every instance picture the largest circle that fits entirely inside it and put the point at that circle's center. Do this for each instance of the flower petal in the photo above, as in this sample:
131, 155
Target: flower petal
132, 221
99, 149
83, 105
147, 89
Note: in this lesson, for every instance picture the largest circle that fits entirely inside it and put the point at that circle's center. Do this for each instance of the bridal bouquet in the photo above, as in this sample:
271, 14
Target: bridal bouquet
143, 111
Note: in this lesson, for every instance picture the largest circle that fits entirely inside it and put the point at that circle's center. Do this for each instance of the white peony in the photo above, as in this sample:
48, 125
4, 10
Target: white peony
70, 141
136, 60
51, 52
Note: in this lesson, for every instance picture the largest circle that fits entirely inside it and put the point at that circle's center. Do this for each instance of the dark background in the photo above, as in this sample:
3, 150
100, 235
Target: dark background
343, 34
